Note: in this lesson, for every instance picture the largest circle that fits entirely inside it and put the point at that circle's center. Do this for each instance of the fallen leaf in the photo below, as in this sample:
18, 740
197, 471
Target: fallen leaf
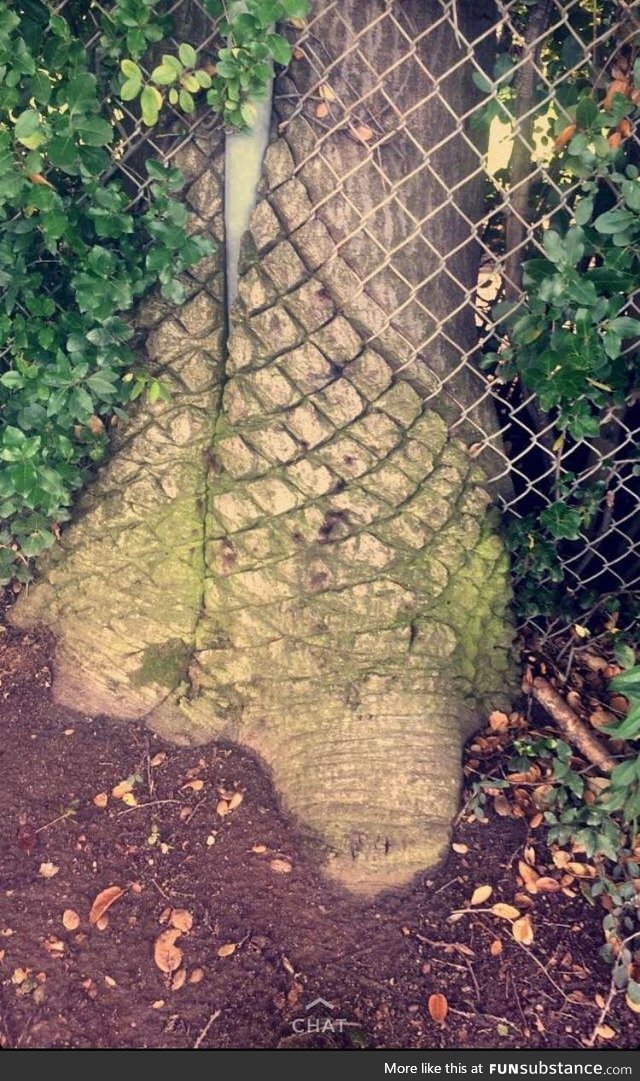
103, 901
101, 799
605, 1032
259, 849
281, 867
181, 919
460, 849
498, 721
228, 949
235, 800
546, 884
168, 956
634, 1006
362, 131
129, 799
222, 808
502, 806
179, 979
325, 91
165, 915
480, 895
495, 949
48, 870
158, 1004
70, 919
54, 947
195, 786
322, 110
102, 923
522, 930
19, 976
197, 975
529, 876
158, 759
438, 1008
121, 789
505, 912
211, 840
110, 982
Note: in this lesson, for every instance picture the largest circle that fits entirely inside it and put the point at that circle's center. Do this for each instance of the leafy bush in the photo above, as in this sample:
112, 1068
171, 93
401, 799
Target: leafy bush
75, 257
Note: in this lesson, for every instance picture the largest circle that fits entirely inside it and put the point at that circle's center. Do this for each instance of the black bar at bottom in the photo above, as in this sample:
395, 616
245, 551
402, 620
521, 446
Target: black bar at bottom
367, 1065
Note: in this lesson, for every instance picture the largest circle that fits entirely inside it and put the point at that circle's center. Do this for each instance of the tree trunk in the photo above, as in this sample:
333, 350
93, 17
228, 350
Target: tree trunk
295, 552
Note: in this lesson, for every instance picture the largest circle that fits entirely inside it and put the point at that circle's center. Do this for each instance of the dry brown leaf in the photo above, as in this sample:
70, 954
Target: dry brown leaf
565, 136
102, 923
522, 930
605, 1032
560, 858
179, 979
460, 849
235, 800
48, 870
70, 919
168, 956
634, 1006
502, 806
121, 789
197, 975
281, 867
325, 91
158, 1004
498, 721
546, 884
322, 110
362, 131
536, 821
438, 1008
529, 876
495, 949
103, 901
505, 912
195, 786
101, 799
181, 919
581, 870
110, 982
158, 759
601, 717
165, 915
228, 949
222, 808
480, 895
259, 849
618, 86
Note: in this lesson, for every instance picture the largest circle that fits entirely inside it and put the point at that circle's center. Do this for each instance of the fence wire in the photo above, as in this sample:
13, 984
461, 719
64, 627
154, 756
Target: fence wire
449, 145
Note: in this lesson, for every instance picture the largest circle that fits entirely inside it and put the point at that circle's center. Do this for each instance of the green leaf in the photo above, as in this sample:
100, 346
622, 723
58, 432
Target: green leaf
628, 683
130, 70
586, 112
615, 221
94, 131
150, 104
188, 55
624, 654
583, 210
62, 151
625, 327
164, 75
561, 521
130, 89
629, 728
187, 104
29, 131
279, 48
482, 82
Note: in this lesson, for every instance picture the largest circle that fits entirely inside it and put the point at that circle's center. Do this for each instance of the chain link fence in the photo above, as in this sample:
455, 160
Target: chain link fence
460, 150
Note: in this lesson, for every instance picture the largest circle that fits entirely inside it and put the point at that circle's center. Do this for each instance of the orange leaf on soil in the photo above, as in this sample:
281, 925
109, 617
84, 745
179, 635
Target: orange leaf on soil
480, 895
103, 901
181, 919
438, 1008
522, 930
168, 956
228, 949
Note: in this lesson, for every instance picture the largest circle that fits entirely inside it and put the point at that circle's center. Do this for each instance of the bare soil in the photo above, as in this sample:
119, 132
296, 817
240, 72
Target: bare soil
248, 882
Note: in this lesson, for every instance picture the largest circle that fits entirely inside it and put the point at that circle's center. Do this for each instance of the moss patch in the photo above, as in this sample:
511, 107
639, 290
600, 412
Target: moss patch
165, 664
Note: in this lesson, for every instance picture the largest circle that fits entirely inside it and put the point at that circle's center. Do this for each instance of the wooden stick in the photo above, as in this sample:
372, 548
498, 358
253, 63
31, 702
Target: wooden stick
571, 726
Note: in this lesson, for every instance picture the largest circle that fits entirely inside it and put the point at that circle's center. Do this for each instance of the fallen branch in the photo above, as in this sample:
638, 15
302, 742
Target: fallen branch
572, 728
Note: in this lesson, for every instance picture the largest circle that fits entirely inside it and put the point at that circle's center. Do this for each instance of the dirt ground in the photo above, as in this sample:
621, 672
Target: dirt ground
194, 848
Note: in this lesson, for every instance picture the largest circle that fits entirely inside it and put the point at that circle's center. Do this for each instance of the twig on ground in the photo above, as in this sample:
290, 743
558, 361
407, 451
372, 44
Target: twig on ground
214, 1017
141, 806
574, 730
613, 991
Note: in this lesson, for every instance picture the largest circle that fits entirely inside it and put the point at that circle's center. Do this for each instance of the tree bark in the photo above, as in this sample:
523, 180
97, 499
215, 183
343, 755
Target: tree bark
296, 552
